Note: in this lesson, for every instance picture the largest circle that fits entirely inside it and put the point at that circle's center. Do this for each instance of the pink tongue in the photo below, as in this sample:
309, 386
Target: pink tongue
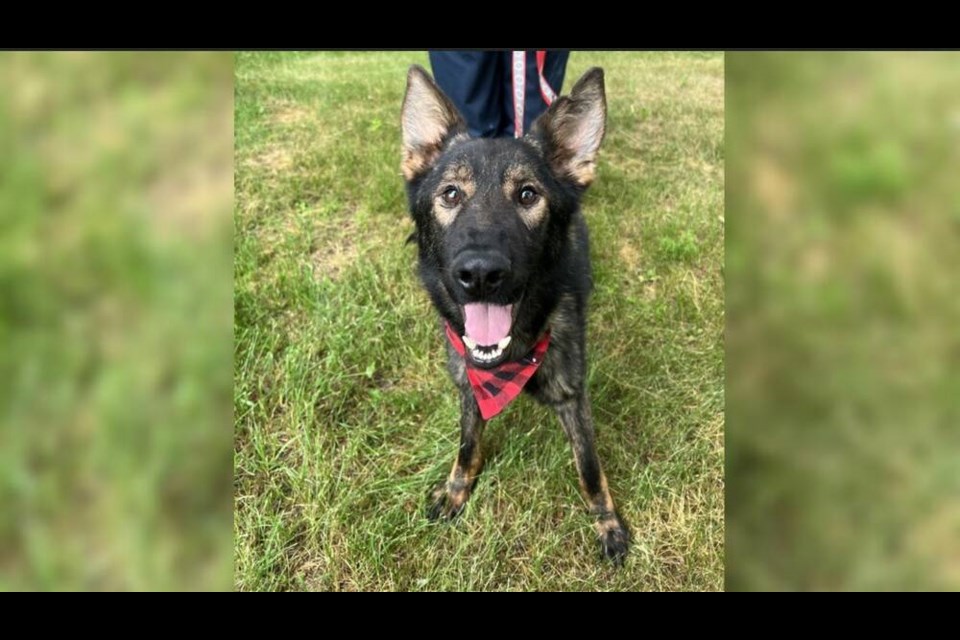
487, 324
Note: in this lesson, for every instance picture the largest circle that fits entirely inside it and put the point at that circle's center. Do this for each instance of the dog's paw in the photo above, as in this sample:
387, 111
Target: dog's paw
443, 506
614, 538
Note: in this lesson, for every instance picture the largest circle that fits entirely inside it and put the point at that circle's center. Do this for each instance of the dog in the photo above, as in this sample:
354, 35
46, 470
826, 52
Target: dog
504, 257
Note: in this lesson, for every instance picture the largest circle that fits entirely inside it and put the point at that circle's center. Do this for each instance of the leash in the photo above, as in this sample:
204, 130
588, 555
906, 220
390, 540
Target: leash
520, 87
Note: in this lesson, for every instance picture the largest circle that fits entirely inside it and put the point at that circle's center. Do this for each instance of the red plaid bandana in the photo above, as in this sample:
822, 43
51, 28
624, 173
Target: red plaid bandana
495, 388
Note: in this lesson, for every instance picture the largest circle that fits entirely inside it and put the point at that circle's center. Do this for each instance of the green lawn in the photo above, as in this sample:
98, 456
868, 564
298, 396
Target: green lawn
344, 413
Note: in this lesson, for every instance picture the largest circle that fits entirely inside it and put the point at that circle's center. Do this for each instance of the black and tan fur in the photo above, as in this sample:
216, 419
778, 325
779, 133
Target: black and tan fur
545, 245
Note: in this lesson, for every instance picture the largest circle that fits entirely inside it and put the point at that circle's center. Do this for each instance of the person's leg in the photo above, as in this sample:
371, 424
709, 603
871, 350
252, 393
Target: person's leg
472, 80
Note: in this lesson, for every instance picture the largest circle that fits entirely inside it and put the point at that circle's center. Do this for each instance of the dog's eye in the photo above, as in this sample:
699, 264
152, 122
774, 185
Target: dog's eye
451, 196
528, 196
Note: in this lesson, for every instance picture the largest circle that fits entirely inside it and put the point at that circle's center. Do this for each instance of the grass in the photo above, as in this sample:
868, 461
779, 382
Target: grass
115, 264
844, 393
344, 414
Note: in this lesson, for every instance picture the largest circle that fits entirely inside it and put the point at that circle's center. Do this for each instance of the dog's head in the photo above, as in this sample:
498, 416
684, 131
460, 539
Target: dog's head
492, 215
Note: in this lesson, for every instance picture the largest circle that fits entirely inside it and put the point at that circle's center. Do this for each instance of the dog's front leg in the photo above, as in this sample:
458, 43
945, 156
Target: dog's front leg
449, 497
578, 424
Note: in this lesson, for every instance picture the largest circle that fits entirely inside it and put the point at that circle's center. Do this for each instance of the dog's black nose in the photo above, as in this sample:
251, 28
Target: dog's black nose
481, 274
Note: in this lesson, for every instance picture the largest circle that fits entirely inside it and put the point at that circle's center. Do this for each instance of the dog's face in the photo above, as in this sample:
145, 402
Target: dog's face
490, 214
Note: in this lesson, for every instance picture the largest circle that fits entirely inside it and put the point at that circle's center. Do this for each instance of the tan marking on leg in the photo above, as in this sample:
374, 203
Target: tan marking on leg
461, 479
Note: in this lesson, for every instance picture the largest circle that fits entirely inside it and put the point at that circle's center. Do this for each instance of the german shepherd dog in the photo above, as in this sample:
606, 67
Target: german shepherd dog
504, 257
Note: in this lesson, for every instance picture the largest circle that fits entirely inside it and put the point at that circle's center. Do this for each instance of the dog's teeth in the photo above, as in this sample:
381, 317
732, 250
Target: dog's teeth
482, 356
486, 356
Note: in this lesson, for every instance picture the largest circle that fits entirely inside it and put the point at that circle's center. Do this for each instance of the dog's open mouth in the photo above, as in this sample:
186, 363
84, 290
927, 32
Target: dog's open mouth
487, 330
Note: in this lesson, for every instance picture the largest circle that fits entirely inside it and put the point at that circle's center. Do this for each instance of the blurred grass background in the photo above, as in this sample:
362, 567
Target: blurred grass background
115, 320
843, 367
345, 415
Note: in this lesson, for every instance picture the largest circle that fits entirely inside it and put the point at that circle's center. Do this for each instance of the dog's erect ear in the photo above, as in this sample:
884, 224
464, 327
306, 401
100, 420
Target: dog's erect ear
429, 121
571, 130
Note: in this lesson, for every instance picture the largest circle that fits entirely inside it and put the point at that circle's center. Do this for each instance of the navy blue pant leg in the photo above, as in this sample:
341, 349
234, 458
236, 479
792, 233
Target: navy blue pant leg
473, 80
481, 86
